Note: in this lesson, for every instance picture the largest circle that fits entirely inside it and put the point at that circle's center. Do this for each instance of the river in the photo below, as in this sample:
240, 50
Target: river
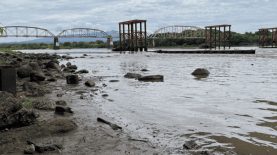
230, 108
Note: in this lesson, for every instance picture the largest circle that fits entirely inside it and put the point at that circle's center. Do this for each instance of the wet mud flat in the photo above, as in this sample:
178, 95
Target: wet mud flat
82, 134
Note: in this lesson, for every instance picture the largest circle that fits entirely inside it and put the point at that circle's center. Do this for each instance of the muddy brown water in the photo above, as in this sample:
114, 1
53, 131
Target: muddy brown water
233, 108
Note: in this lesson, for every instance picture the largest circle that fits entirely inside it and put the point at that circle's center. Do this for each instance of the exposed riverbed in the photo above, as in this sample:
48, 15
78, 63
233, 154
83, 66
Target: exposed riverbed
230, 108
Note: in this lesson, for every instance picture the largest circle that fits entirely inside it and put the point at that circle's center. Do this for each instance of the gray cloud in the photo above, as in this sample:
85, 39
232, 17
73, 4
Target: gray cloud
57, 15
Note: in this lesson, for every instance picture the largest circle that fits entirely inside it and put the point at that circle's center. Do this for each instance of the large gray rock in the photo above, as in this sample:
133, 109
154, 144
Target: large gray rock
68, 64
72, 67
200, 71
12, 113
24, 71
90, 83
35, 89
132, 75
36, 76
8, 106
43, 104
154, 78
61, 102
62, 109
48, 73
23, 117
52, 64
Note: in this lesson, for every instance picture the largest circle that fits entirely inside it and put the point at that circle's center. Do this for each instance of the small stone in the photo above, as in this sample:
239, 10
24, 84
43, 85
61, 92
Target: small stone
114, 81
30, 149
59, 95
105, 95
189, 144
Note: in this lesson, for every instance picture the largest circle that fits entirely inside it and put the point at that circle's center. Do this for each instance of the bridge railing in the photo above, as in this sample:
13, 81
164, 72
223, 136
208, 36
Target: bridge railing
25, 31
83, 32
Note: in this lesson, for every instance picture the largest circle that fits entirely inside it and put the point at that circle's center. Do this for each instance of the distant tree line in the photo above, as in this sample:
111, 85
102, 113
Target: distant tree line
237, 39
65, 45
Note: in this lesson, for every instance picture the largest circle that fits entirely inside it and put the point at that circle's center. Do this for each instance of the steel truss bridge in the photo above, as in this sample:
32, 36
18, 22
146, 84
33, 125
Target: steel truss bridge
170, 32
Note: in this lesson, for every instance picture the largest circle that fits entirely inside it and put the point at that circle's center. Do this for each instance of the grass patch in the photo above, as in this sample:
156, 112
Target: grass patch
27, 103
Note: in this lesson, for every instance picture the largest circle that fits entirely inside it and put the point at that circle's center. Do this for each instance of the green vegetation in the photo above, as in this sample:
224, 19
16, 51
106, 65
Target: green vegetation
67, 45
2, 31
237, 39
1, 61
27, 103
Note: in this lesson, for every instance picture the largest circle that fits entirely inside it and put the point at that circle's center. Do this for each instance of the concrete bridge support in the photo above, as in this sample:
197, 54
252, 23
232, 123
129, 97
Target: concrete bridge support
56, 43
109, 41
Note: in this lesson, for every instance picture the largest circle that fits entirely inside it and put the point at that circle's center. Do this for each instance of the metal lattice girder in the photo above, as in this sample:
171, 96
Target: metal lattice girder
179, 32
83, 32
25, 31
126, 36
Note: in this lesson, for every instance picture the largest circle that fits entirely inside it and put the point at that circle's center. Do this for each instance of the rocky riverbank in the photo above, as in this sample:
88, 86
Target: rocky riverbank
57, 120
55, 123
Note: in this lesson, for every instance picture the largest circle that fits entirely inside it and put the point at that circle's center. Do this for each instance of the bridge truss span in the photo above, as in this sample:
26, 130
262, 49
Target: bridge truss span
179, 32
25, 31
83, 32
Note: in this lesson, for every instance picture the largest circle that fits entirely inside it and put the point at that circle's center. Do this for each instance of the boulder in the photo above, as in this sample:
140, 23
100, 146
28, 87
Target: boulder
58, 126
36, 76
90, 83
35, 89
62, 66
48, 73
68, 64
61, 102
19, 59
43, 104
23, 117
154, 78
132, 75
62, 109
189, 145
8, 106
30, 149
52, 64
200, 71
72, 67
35, 67
24, 71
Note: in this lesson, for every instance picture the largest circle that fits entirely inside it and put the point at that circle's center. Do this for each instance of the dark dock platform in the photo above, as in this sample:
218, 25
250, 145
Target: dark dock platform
209, 52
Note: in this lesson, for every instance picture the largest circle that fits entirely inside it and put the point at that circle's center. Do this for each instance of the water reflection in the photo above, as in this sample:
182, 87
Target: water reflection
199, 77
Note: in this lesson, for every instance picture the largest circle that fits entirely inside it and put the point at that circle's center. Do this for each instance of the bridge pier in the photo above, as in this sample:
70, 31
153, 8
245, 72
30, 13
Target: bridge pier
263, 37
222, 37
109, 40
129, 41
56, 43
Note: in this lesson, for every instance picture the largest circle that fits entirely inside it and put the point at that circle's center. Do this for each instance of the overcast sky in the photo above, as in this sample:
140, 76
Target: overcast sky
57, 15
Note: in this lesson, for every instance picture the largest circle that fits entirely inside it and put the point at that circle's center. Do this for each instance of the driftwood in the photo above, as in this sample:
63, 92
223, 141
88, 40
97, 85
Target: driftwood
113, 126
146, 141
